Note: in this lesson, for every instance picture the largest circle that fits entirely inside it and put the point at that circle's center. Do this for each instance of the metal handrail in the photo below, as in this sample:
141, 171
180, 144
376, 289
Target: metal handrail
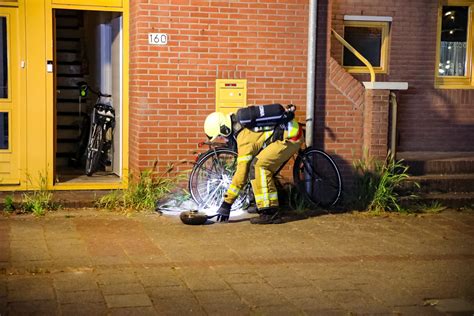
357, 54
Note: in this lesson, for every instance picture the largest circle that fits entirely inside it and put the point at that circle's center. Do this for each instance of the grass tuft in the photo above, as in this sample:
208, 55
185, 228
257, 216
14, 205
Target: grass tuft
38, 201
375, 184
143, 192
9, 204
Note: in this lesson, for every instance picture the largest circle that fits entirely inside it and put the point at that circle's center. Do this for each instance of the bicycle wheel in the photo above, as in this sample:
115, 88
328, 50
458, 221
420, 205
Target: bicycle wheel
94, 149
316, 175
211, 177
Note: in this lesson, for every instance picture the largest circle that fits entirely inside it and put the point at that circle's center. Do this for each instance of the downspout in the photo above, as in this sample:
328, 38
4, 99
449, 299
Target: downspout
310, 85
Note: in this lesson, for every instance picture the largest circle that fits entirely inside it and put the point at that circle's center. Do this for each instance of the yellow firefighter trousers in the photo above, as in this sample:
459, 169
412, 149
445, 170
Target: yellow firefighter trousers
267, 162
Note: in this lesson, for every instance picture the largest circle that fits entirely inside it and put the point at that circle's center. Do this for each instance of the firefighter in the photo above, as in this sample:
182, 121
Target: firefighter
273, 129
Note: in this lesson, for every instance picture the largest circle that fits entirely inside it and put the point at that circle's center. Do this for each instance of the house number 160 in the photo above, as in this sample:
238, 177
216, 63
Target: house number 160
157, 38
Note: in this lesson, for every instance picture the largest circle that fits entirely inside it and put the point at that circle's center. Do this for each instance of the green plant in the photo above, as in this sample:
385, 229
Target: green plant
296, 201
375, 184
433, 207
38, 201
9, 204
142, 193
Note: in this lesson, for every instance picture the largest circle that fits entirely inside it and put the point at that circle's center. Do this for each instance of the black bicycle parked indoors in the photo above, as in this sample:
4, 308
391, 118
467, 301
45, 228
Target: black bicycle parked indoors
102, 123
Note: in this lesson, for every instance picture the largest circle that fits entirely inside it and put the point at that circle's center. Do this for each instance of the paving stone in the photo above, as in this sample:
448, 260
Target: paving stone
66, 249
170, 292
277, 310
33, 307
203, 279
111, 276
122, 288
212, 302
130, 311
75, 297
84, 309
127, 300
158, 277
75, 281
286, 280
179, 306
30, 289
242, 278
258, 294
28, 251
318, 302
114, 260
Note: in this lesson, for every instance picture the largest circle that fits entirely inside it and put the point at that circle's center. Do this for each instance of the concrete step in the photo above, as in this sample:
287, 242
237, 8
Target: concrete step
451, 200
442, 183
424, 163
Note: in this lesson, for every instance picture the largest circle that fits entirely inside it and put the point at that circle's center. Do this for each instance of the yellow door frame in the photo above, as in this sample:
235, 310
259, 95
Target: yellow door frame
91, 5
36, 128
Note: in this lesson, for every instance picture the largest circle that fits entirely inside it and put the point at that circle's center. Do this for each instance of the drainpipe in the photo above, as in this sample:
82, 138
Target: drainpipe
311, 72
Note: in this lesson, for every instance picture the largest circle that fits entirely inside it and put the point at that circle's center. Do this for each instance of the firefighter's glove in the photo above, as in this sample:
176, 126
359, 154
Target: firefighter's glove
223, 212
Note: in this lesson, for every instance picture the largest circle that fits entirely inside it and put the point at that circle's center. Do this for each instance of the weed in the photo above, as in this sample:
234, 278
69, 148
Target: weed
434, 207
142, 193
9, 204
375, 184
38, 201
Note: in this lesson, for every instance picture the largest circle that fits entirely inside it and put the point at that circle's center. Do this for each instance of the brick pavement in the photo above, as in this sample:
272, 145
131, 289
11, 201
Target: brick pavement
89, 262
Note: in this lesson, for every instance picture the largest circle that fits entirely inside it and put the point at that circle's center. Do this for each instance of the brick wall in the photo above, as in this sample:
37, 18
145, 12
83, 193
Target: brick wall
172, 88
429, 119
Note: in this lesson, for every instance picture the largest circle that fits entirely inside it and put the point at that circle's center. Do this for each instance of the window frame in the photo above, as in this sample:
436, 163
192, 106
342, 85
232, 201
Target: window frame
456, 82
7, 56
384, 49
9, 148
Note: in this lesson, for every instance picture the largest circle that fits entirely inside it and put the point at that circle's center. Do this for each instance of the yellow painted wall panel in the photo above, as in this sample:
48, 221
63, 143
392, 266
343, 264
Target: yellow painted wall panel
103, 3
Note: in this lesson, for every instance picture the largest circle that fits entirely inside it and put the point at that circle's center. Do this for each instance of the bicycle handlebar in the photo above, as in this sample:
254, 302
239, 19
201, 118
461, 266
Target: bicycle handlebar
212, 144
84, 87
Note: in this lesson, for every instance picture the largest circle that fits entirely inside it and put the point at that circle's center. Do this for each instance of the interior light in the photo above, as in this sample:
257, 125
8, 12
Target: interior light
447, 67
448, 61
451, 32
441, 71
449, 47
448, 13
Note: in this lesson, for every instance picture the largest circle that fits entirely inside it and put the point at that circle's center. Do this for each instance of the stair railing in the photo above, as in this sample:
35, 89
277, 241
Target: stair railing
356, 53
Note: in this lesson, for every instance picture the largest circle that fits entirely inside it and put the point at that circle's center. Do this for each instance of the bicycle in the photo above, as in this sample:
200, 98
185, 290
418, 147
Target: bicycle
315, 174
102, 123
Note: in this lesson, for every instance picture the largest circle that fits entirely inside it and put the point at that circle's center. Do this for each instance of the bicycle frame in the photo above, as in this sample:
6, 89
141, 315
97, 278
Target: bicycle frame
314, 171
102, 120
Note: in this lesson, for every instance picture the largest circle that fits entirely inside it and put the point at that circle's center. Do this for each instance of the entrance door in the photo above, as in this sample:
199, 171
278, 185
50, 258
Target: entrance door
9, 97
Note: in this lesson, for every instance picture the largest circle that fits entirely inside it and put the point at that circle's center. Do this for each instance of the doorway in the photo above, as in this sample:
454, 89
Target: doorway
88, 47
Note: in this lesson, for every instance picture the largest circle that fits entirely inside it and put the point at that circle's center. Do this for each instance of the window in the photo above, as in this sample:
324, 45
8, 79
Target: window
370, 39
4, 130
3, 59
455, 45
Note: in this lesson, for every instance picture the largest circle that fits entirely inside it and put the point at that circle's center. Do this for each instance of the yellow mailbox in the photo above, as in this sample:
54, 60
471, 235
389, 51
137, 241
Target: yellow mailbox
231, 94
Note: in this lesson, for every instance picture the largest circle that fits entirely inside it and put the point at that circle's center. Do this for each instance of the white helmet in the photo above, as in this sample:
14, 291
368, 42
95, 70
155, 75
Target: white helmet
217, 124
